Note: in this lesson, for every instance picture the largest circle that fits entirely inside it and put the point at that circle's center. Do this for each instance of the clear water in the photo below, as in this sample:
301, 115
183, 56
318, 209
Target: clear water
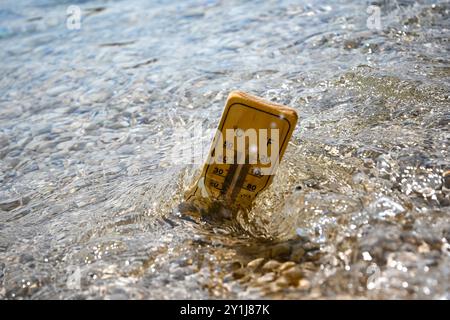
88, 200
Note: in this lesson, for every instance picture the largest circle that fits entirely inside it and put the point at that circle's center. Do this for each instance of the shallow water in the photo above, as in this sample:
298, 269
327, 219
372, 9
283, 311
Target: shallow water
88, 119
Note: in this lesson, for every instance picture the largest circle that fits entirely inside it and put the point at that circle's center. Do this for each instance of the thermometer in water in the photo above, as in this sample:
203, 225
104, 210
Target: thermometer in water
249, 143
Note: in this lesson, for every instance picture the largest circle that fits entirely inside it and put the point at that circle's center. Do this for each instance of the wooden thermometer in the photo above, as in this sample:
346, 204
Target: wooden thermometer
250, 141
